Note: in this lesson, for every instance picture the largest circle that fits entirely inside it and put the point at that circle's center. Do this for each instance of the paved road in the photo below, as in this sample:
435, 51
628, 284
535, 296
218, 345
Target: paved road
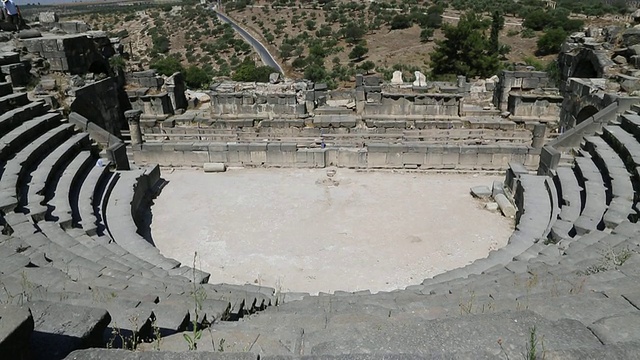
266, 57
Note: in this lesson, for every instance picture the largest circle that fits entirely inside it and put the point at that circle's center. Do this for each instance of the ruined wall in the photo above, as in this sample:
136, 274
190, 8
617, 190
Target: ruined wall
535, 106
518, 85
99, 103
262, 104
76, 54
585, 97
379, 103
12, 70
382, 155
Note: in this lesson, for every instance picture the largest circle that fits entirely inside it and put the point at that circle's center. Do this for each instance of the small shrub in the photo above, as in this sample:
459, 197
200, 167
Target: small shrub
527, 33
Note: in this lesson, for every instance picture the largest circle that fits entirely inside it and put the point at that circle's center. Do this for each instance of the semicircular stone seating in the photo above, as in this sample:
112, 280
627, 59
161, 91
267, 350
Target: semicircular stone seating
77, 273
83, 282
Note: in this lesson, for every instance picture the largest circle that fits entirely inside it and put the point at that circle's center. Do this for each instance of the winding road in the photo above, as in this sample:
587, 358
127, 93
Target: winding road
265, 55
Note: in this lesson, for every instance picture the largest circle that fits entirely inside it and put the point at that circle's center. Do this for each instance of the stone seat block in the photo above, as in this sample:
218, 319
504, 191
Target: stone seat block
46, 170
26, 132
119, 221
61, 200
568, 187
90, 196
16, 327
11, 119
12, 101
624, 144
5, 89
60, 328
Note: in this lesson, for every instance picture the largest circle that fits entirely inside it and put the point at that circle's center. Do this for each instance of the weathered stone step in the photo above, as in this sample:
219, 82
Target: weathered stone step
594, 197
210, 310
26, 132
463, 334
60, 328
624, 144
620, 192
535, 206
16, 326
62, 196
116, 354
631, 123
122, 228
235, 337
15, 117
41, 177
34, 150
12, 101
5, 88
89, 198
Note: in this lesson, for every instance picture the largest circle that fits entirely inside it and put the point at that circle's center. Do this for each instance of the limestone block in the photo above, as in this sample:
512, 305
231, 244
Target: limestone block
450, 156
631, 37
413, 158
352, 158
433, 159
196, 158
258, 153
375, 97
303, 158
372, 80
530, 83
214, 167
497, 188
481, 192
421, 80
33, 45
394, 155
376, 159
221, 156
468, 155
274, 78
491, 206
50, 45
397, 77
507, 209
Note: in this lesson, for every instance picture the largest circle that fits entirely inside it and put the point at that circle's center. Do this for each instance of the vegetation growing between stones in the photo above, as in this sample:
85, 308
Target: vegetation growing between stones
611, 260
198, 296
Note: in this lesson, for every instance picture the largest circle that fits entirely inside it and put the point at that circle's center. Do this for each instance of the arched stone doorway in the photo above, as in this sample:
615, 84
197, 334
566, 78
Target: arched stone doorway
586, 113
585, 69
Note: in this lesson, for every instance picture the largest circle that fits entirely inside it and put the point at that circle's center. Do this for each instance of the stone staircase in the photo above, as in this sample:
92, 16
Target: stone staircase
74, 271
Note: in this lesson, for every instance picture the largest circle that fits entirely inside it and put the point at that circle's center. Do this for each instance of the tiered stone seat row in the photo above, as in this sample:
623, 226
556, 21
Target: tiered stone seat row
57, 255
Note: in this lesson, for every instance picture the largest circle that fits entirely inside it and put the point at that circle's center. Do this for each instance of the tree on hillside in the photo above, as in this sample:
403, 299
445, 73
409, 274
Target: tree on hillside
551, 41
465, 50
426, 34
367, 66
497, 24
196, 78
400, 21
358, 52
166, 66
353, 33
248, 71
